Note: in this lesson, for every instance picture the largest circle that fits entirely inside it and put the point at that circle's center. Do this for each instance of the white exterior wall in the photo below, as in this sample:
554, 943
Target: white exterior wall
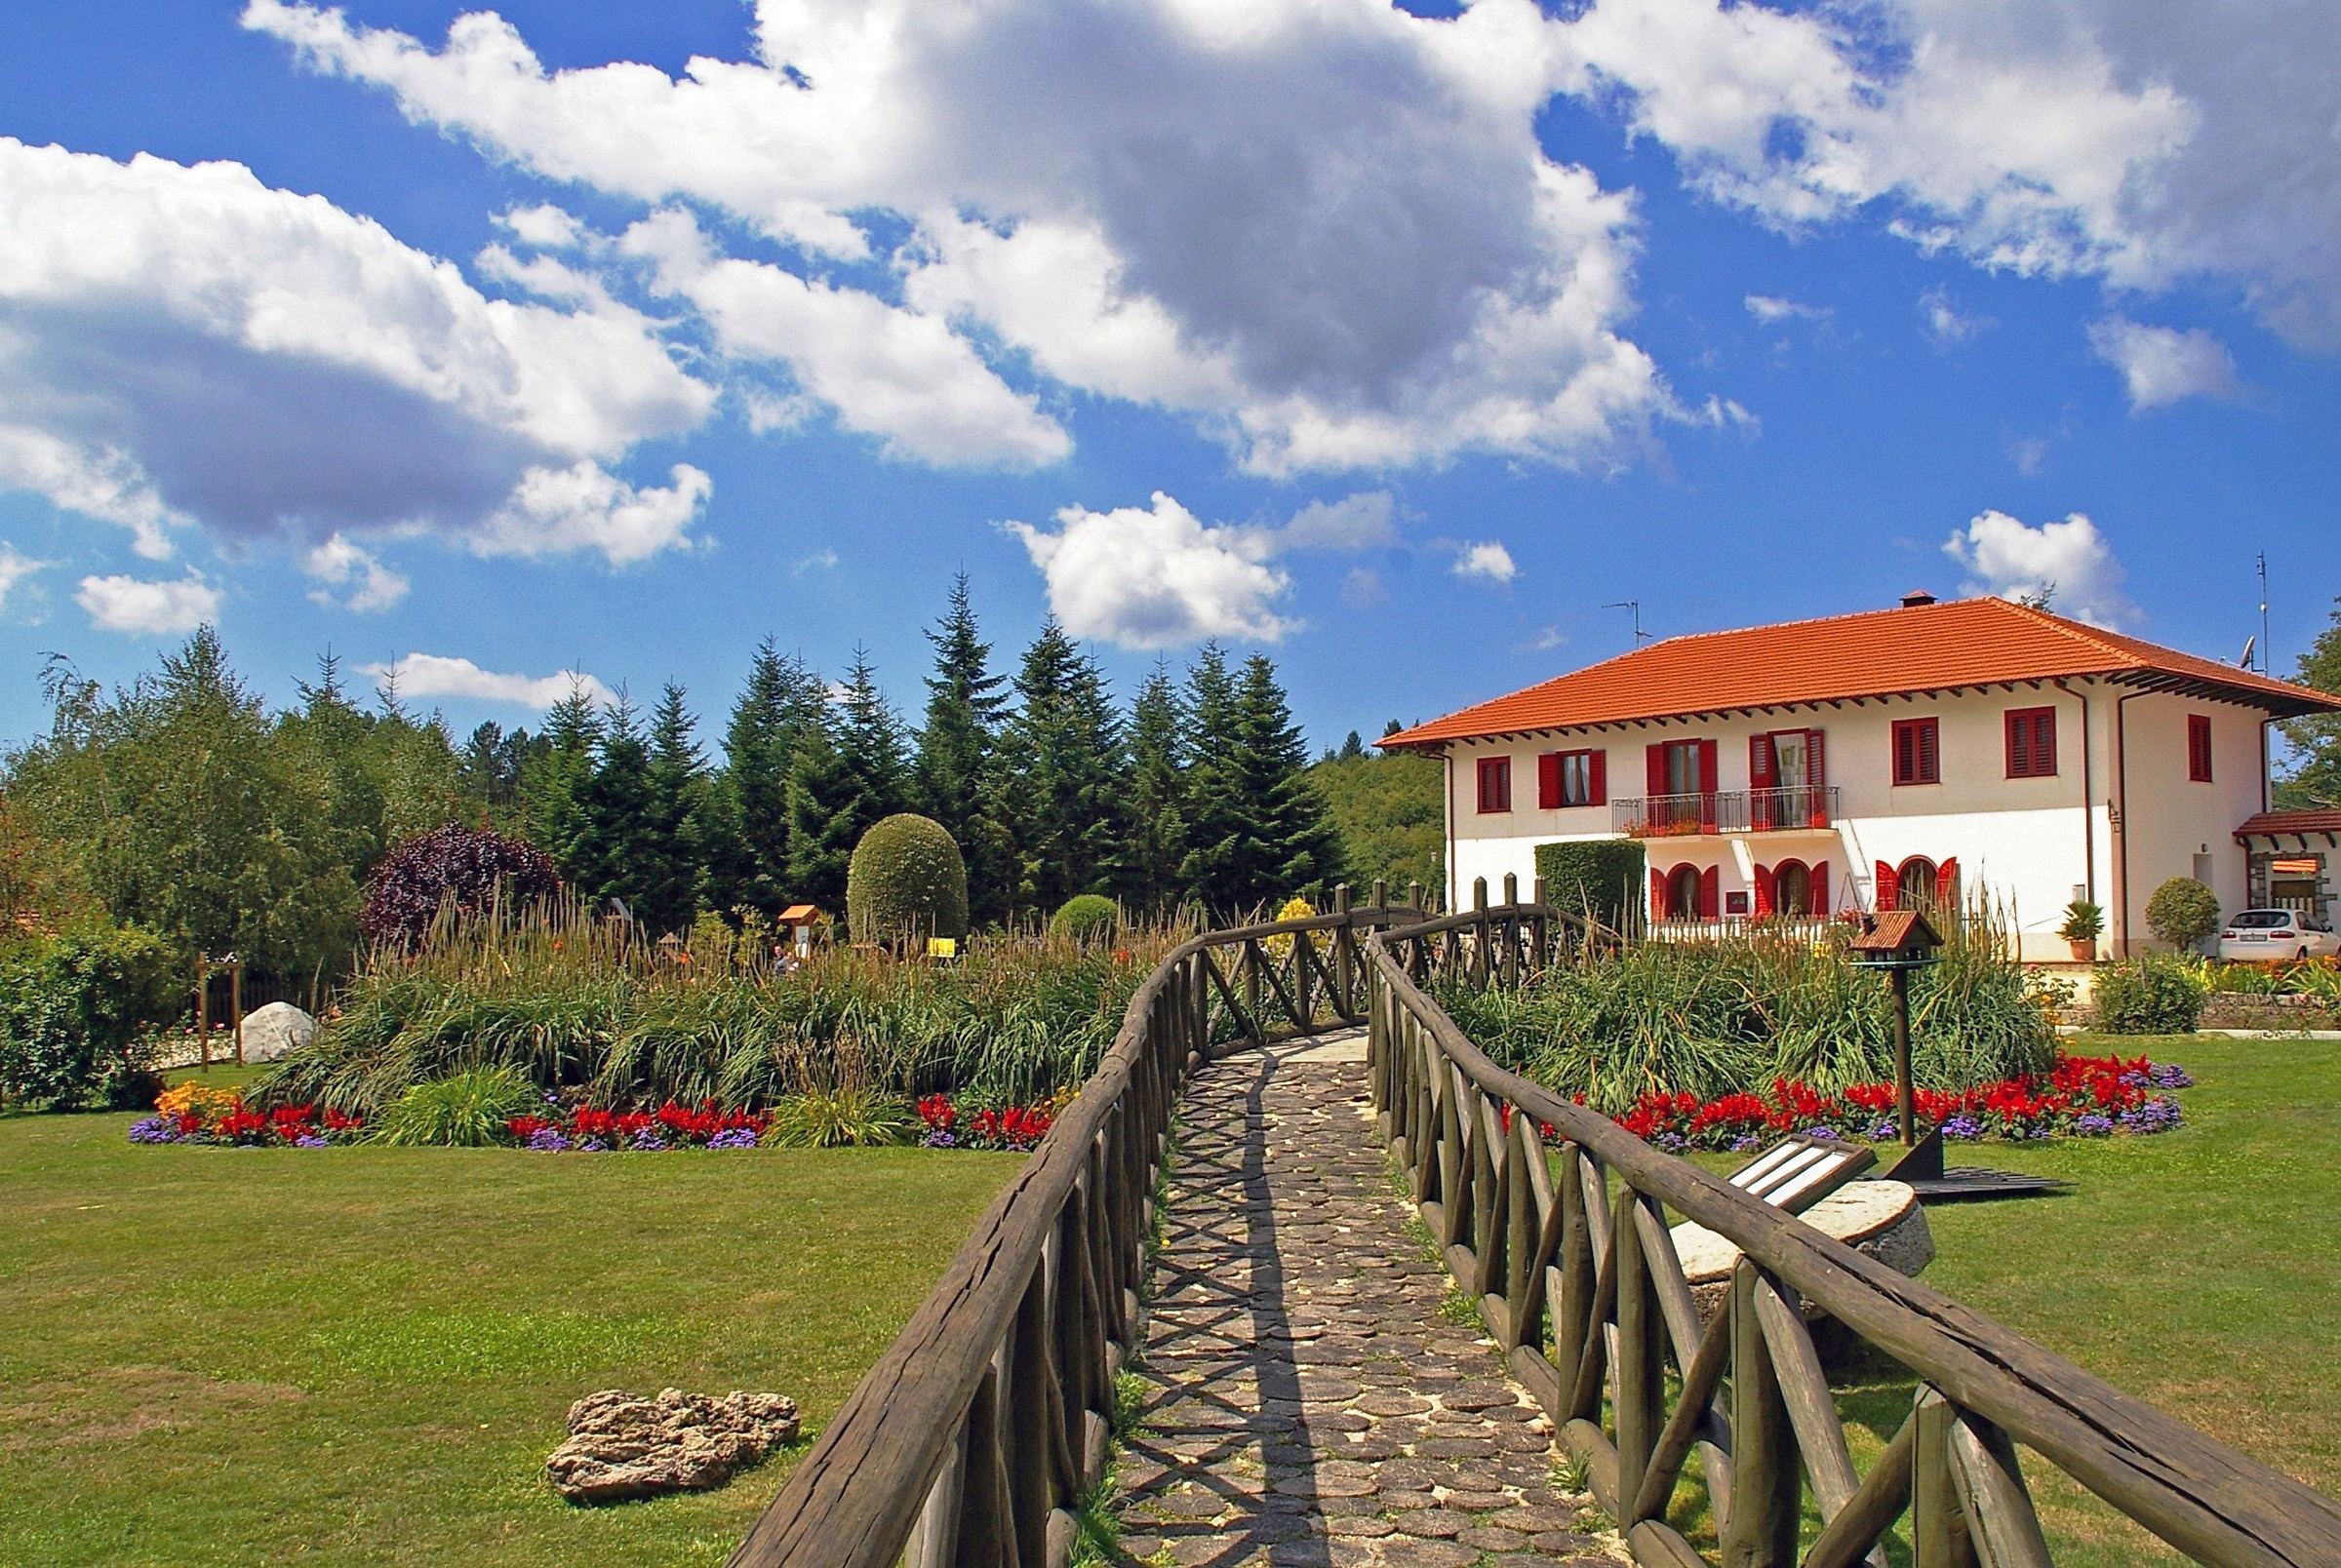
2030, 842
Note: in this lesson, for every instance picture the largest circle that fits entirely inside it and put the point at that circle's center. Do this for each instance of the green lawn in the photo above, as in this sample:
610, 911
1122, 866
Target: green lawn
362, 1356
2196, 1269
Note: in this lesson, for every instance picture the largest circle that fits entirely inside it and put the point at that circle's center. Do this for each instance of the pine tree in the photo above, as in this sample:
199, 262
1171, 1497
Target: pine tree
1213, 871
2313, 780
1065, 743
677, 784
849, 771
747, 813
1157, 844
955, 775
1299, 848
615, 854
555, 785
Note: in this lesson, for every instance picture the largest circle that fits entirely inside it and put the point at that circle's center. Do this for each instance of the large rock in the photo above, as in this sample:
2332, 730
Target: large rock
622, 1445
1879, 1218
270, 1031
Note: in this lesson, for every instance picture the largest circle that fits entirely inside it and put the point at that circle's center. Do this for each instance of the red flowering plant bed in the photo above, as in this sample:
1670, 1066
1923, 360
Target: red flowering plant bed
2079, 1097
194, 1114
587, 1129
1016, 1127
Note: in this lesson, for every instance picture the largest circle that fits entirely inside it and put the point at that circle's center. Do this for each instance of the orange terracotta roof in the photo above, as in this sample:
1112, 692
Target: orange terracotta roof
2274, 822
1880, 653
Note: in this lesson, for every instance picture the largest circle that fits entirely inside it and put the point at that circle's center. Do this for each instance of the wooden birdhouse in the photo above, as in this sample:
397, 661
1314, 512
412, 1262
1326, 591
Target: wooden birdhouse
1897, 937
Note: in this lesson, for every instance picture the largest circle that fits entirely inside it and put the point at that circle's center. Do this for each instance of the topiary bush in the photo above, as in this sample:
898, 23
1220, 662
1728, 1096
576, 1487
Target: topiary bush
466, 868
1087, 916
78, 1015
2182, 912
2160, 995
906, 880
1601, 876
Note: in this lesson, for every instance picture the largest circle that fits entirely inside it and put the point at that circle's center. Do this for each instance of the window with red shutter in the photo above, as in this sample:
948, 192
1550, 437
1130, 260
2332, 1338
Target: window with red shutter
1597, 778
1575, 779
1918, 751
2031, 743
1495, 784
2199, 748
1548, 781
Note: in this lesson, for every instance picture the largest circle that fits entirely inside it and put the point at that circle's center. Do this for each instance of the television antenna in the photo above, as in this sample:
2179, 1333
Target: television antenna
1634, 605
2263, 613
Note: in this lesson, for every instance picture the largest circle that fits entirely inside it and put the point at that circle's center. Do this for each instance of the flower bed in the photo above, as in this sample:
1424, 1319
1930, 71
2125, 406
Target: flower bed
2081, 1097
193, 1114
587, 1130
1016, 1127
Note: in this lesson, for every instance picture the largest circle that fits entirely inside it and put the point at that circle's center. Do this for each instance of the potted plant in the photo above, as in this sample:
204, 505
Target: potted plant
2084, 923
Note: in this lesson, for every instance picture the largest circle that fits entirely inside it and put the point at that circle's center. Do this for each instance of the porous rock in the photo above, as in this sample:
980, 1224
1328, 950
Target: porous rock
270, 1031
622, 1445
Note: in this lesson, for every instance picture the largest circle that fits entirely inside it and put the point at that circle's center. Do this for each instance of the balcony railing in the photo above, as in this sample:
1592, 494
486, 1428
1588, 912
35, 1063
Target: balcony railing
1676, 816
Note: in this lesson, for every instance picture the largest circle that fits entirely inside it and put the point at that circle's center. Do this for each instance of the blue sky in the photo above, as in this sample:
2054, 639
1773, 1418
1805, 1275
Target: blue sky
1435, 337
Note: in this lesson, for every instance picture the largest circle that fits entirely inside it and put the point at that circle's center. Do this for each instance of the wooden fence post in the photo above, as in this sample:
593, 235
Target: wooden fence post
1760, 1531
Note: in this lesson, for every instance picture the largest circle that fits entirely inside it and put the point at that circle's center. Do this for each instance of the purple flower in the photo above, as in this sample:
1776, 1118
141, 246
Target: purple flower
154, 1130
648, 1140
552, 1099
2170, 1075
309, 1139
1883, 1132
736, 1138
1962, 1126
1674, 1143
547, 1140
592, 1146
939, 1138
1820, 1129
1745, 1142
2093, 1125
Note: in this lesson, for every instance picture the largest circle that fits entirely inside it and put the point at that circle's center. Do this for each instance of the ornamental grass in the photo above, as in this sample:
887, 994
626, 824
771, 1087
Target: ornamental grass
575, 1003
1709, 1019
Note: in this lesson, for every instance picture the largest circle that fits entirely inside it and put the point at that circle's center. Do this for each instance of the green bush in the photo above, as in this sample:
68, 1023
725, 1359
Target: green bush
78, 1015
2160, 995
839, 1117
2182, 912
1603, 876
906, 880
464, 1110
1086, 918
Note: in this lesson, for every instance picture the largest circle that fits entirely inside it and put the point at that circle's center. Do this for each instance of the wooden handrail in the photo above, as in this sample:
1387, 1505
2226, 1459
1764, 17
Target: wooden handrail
1435, 1091
974, 1436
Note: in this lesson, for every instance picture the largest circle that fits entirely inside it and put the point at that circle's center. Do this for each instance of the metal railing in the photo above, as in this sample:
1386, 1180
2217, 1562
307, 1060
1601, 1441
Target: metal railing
1669, 817
971, 1440
1554, 1220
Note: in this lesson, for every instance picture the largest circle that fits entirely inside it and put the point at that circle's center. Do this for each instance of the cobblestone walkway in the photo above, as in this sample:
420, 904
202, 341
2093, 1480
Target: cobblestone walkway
1307, 1402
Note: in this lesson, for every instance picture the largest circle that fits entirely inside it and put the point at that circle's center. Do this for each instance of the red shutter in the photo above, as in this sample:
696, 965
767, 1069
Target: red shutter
2199, 748
1816, 774
1548, 780
1946, 885
1766, 891
1820, 890
1711, 892
1599, 776
1654, 762
2044, 743
1658, 895
1930, 763
1707, 775
1888, 892
1760, 781
2019, 745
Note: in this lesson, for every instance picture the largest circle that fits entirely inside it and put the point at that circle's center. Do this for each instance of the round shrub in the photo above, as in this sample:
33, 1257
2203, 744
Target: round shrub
906, 880
2183, 912
456, 865
1085, 917
2151, 995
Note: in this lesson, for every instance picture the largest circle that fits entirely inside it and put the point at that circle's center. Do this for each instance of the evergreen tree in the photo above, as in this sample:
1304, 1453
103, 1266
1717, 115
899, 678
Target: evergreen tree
492, 770
612, 854
1157, 844
956, 774
555, 784
670, 877
848, 772
1213, 870
747, 813
1352, 747
1066, 744
2313, 780
1299, 848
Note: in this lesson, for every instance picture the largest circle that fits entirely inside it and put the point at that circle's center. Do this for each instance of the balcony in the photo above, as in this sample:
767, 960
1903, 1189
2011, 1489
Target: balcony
1721, 811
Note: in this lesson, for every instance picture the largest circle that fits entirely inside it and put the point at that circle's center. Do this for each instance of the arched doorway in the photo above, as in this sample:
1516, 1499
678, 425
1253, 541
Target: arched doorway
1914, 884
1683, 892
1792, 889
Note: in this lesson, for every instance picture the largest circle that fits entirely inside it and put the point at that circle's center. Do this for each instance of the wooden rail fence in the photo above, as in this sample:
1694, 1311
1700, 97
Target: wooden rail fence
976, 1435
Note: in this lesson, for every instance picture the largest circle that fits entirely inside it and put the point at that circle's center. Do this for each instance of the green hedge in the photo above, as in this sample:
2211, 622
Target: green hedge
78, 1015
1602, 875
2161, 995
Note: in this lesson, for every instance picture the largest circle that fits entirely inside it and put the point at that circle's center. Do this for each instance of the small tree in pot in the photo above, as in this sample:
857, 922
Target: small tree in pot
2084, 923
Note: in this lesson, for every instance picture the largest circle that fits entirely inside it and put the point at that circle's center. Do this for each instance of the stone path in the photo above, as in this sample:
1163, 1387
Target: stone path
1307, 1402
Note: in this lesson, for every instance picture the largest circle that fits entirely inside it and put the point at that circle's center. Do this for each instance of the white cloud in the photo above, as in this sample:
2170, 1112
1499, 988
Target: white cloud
1362, 588
1939, 318
1770, 308
185, 343
1324, 232
128, 605
2070, 561
15, 568
343, 565
1157, 577
436, 675
1486, 562
556, 511
2141, 142
1365, 520
823, 559
2161, 365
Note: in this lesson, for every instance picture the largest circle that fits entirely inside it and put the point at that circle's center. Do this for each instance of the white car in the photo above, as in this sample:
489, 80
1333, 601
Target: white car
2264, 935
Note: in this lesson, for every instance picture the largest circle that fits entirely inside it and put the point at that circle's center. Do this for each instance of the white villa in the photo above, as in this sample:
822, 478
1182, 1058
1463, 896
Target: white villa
1936, 751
